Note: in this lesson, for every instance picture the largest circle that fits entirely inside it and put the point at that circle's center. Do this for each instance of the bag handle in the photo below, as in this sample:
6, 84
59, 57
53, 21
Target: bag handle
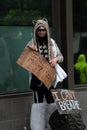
35, 97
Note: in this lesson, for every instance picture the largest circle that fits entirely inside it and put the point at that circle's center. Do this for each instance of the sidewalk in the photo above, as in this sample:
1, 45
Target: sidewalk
82, 97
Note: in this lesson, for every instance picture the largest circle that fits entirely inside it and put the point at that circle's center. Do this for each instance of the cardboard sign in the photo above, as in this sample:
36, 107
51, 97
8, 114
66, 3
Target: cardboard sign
66, 101
38, 65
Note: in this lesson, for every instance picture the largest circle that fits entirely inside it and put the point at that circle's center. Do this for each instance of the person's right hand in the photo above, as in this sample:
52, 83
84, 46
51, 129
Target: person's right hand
33, 47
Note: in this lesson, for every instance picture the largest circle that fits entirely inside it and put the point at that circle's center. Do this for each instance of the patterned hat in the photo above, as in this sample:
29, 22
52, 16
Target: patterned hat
38, 23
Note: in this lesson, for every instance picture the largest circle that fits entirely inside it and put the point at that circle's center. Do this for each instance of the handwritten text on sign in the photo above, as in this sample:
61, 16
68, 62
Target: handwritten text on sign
38, 65
66, 101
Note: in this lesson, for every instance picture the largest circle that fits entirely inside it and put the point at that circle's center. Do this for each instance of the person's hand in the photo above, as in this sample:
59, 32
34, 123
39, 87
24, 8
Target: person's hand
53, 61
33, 47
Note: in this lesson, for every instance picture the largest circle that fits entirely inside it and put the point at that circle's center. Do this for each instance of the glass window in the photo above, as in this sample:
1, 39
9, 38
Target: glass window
15, 31
80, 41
22, 12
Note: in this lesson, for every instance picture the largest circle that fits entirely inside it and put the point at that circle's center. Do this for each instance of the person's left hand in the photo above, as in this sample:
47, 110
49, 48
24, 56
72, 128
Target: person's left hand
53, 61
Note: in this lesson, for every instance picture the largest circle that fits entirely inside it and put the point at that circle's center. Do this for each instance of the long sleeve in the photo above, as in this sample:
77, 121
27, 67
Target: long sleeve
56, 51
30, 42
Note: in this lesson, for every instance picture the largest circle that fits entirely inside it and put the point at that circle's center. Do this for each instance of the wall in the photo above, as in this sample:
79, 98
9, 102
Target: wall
15, 112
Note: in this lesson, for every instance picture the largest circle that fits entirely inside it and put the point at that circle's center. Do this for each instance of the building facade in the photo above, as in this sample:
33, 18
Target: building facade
66, 19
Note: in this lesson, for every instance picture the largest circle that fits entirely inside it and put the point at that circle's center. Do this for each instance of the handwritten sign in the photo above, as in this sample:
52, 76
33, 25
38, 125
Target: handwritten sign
38, 65
66, 101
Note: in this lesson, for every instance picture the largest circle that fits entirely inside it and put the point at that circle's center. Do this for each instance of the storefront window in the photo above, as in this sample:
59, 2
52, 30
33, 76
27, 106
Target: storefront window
15, 31
80, 41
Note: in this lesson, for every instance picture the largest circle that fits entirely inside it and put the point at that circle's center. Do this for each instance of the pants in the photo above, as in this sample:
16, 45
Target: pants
41, 89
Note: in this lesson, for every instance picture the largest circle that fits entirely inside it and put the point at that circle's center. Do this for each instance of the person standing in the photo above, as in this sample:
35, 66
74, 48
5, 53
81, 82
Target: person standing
47, 47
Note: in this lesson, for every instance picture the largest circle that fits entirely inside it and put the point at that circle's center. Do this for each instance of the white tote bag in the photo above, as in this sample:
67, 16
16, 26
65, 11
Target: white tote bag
40, 114
37, 121
37, 117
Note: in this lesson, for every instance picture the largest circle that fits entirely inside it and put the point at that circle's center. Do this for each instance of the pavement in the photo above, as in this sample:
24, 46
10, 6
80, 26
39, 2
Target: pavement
82, 97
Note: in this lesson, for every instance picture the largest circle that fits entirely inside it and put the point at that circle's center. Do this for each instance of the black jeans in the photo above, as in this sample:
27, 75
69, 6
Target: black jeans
41, 89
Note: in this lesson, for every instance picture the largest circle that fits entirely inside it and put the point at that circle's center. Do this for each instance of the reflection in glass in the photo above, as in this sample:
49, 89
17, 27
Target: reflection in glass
80, 57
22, 12
15, 31
80, 40
12, 42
